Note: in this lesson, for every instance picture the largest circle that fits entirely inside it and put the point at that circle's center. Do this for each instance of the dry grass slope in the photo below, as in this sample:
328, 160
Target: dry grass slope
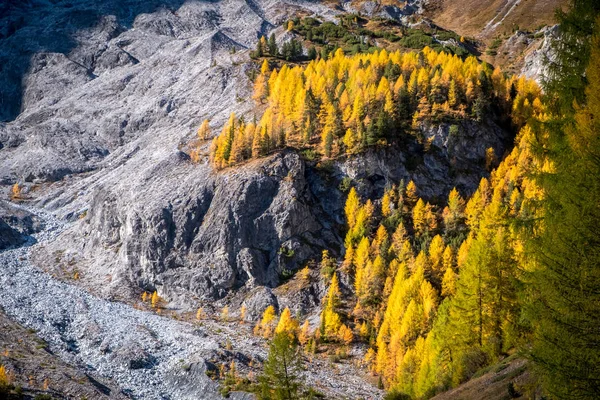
488, 19
493, 383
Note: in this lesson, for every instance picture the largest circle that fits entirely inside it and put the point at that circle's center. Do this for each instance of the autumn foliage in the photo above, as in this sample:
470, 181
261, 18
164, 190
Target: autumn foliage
344, 104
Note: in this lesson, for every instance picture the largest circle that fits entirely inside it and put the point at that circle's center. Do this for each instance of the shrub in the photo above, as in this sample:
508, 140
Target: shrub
345, 184
396, 394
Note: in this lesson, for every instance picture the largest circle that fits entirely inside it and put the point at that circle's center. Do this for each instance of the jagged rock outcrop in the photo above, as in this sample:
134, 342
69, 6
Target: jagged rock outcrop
16, 225
526, 53
9, 237
190, 232
205, 235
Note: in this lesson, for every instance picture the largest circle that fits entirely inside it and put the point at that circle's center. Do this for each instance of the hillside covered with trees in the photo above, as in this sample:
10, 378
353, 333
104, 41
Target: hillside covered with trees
300, 200
344, 104
442, 291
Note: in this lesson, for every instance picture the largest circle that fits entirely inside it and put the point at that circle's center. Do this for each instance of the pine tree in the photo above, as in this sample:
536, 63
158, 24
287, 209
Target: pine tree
287, 324
204, 131
273, 51
566, 279
259, 47
328, 266
281, 376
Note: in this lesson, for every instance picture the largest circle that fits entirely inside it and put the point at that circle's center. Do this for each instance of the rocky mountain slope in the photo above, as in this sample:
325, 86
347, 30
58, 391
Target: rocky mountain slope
141, 353
24, 352
98, 102
514, 35
214, 232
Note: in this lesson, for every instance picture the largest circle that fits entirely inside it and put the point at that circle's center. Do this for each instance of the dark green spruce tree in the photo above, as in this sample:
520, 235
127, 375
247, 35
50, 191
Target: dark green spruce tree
281, 376
564, 307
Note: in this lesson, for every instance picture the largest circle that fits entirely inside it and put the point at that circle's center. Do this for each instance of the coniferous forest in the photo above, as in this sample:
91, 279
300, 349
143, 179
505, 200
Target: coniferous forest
275, 200
442, 291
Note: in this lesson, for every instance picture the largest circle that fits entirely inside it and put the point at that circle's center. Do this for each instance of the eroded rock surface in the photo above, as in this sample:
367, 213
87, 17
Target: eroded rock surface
193, 233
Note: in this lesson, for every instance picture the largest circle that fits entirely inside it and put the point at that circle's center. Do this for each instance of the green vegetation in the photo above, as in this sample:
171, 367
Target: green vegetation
345, 104
493, 49
281, 379
356, 34
565, 276
290, 51
447, 292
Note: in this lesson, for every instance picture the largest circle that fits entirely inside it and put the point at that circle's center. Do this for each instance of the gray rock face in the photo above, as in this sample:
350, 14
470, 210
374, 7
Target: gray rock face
121, 96
525, 53
139, 351
80, 79
20, 219
190, 232
212, 233
9, 237
537, 56
16, 225
258, 300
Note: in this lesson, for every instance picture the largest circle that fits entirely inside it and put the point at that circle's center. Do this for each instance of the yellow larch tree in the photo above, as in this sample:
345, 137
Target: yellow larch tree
16, 192
265, 326
155, 300
345, 334
225, 314
243, 312
304, 334
287, 323
436, 258
204, 132
330, 319
339, 98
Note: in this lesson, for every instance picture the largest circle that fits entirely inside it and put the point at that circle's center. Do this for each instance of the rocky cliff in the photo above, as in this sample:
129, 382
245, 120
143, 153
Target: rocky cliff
98, 101
190, 232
